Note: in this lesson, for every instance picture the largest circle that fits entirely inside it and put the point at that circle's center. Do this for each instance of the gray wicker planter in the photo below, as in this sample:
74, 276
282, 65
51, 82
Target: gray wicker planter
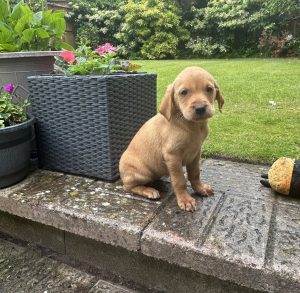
84, 123
15, 146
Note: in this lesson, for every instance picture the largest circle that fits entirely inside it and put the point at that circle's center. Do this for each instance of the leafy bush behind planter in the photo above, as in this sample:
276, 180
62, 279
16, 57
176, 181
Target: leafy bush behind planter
152, 28
233, 28
96, 21
35, 5
187, 28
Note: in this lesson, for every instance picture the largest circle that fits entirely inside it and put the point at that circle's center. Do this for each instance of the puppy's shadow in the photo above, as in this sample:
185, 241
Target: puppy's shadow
163, 186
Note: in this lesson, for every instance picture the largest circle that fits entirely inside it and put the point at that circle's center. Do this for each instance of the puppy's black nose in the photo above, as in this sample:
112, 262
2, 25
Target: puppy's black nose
200, 109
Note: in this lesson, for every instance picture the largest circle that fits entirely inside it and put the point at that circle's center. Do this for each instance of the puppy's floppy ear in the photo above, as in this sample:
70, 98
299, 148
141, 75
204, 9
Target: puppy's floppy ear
219, 97
167, 104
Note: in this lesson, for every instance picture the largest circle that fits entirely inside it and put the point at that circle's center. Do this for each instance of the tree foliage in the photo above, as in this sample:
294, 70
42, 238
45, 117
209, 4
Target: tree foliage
152, 28
234, 26
97, 21
187, 28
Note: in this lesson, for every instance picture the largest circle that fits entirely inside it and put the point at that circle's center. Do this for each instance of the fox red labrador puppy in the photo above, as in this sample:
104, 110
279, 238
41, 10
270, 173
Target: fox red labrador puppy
173, 138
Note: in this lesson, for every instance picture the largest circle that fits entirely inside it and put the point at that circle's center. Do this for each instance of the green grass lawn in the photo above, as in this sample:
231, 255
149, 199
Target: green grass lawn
249, 129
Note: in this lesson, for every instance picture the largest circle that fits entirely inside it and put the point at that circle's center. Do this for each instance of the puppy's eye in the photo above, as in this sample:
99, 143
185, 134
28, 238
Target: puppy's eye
184, 92
209, 89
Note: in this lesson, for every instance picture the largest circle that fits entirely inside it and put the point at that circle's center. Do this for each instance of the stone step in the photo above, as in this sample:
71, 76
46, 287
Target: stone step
23, 269
242, 239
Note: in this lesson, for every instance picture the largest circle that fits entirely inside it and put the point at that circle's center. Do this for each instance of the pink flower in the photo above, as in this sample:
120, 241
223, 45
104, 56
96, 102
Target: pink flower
9, 87
104, 49
68, 56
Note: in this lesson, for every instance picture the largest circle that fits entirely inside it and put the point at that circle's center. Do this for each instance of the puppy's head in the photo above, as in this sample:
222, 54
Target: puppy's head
193, 94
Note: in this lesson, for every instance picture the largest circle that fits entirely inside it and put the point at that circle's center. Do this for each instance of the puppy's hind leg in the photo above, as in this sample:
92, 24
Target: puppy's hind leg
146, 191
135, 183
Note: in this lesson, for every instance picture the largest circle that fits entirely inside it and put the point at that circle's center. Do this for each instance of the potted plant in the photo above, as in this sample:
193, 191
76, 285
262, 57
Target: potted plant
26, 41
15, 137
87, 115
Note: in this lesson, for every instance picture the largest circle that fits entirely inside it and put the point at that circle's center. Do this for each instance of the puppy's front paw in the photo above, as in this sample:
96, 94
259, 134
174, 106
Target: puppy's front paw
203, 189
187, 203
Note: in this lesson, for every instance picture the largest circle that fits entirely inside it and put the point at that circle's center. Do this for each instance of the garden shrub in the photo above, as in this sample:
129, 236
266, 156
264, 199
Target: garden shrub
152, 28
97, 21
233, 27
35, 5
285, 45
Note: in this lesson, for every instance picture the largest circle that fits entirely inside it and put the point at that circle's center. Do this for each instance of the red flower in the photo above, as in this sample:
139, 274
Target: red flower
68, 56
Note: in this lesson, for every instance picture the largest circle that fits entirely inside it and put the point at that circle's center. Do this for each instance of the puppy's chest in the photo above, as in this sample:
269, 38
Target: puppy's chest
190, 149
189, 154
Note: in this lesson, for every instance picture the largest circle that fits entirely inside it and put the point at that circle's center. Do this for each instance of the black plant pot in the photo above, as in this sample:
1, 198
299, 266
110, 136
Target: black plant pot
15, 146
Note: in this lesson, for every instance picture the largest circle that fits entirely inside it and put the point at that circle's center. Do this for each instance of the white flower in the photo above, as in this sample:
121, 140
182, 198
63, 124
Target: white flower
272, 103
289, 37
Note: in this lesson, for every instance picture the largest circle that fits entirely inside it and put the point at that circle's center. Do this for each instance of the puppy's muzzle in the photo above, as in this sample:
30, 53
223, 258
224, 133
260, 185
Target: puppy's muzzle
200, 109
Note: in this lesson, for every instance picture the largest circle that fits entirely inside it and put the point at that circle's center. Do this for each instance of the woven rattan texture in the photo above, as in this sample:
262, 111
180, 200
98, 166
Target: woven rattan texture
84, 123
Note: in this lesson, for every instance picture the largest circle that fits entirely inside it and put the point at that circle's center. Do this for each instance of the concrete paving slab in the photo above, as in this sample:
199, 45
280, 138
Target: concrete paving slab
240, 232
150, 273
232, 234
83, 206
23, 270
226, 238
7, 252
34, 232
106, 287
176, 228
34, 180
64, 278
286, 255
239, 179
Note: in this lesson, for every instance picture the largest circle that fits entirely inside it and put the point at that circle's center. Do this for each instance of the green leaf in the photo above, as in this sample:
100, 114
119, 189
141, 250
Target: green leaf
46, 17
66, 46
25, 20
5, 25
6, 35
26, 9
59, 27
49, 16
8, 48
28, 34
37, 18
17, 11
58, 14
42, 33
4, 10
